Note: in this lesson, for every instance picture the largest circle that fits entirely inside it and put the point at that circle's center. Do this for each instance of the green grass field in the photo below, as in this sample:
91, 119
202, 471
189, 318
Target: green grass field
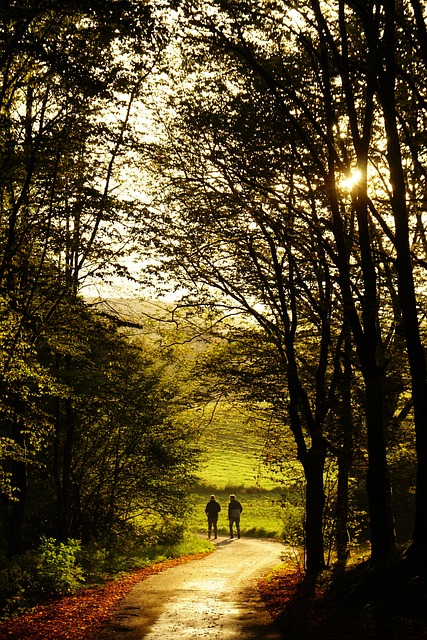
233, 452
233, 463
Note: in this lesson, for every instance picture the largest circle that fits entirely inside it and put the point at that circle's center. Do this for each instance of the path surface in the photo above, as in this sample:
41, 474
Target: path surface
214, 598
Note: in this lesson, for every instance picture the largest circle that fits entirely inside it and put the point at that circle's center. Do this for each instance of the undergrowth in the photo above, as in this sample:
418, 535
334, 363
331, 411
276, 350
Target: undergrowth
55, 569
350, 602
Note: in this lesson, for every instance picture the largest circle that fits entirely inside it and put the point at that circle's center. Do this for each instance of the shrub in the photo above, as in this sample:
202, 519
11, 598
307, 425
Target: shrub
50, 570
293, 524
54, 568
13, 586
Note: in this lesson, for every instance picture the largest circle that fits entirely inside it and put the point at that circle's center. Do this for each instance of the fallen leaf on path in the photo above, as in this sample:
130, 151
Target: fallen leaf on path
80, 616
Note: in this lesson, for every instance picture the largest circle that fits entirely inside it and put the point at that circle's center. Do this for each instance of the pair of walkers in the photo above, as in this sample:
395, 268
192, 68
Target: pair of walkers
234, 510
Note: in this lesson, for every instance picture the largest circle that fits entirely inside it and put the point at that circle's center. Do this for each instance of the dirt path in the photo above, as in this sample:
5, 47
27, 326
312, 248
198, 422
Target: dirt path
214, 598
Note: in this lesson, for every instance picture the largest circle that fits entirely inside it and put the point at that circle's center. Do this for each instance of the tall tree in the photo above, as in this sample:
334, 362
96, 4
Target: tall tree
315, 78
244, 225
65, 98
119, 446
401, 74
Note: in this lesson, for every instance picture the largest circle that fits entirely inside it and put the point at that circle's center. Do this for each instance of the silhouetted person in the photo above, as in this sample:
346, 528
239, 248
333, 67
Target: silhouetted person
234, 511
212, 510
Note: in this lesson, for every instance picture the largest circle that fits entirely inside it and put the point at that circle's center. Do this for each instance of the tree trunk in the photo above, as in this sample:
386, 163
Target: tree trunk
60, 516
377, 482
345, 456
366, 341
313, 463
63, 452
406, 286
19, 483
67, 463
341, 526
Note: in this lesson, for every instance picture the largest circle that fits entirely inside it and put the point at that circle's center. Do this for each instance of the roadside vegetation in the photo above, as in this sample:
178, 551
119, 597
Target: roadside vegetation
55, 570
80, 617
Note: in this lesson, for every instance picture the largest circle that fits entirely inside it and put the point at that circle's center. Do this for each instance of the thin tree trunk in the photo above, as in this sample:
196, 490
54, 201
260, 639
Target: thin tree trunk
341, 526
381, 518
60, 516
62, 463
313, 461
67, 463
345, 456
19, 483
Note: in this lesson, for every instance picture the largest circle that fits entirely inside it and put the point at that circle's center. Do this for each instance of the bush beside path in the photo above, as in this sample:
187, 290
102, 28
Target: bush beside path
82, 615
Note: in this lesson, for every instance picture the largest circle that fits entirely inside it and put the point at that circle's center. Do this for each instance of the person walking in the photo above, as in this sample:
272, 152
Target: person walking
212, 510
234, 511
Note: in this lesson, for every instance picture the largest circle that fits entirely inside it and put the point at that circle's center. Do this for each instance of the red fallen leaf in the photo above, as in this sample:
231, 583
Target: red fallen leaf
80, 616
305, 609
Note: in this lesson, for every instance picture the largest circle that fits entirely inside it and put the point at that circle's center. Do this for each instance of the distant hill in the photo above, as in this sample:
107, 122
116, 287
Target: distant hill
232, 453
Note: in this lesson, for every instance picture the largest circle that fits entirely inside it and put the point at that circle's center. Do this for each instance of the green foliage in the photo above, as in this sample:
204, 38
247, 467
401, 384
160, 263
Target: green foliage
130, 553
53, 568
14, 582
65, 388
157, 528
26, 383
293, 523
56, 568
110, 443
48, 571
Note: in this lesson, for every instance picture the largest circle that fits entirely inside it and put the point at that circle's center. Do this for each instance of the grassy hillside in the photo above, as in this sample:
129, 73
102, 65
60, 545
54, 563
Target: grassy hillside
233, 453
232, 462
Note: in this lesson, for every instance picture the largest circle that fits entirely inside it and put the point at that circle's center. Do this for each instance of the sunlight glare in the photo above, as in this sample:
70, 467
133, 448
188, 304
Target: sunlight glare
351, 180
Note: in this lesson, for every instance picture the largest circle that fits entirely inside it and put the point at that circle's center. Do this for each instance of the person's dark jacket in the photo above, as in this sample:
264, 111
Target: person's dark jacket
212, 508
234, 509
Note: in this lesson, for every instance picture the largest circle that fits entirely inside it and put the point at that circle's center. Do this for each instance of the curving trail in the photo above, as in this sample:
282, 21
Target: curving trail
214, 598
